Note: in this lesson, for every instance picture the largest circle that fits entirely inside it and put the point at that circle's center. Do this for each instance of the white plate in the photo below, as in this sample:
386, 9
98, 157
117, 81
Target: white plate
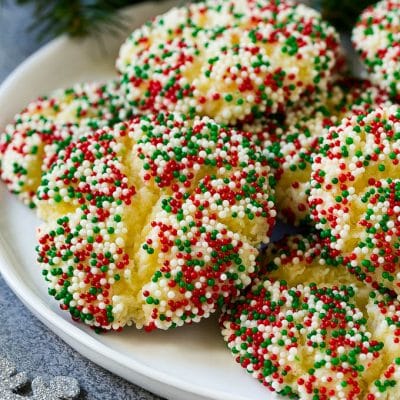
189, 363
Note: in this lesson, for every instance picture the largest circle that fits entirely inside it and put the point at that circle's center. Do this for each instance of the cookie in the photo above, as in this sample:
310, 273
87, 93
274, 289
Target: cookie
354, 194
155, 223
377, 40
30, 144
312, 336
228, 59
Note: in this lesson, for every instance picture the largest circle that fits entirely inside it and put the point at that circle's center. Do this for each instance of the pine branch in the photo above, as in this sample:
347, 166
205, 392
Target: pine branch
77, 18
81, 17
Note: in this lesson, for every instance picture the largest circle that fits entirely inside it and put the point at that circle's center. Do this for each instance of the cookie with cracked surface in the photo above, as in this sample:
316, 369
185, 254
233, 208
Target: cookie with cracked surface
320, 334
228, 59
155, 223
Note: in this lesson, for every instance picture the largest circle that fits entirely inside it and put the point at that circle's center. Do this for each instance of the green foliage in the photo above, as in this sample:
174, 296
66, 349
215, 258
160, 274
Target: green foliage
75, 17
81, 17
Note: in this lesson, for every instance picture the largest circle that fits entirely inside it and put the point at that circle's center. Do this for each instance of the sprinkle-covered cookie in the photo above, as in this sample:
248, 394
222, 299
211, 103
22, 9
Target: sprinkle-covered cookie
318, 339
228, 59
306, 123
158, 221
354, 194
31, 143
377, 39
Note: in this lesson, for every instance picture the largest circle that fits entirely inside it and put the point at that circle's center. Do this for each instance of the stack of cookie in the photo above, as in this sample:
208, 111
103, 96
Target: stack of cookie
160, 189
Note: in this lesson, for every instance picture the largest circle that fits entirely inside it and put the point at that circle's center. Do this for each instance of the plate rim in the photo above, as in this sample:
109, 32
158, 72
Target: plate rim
71, 334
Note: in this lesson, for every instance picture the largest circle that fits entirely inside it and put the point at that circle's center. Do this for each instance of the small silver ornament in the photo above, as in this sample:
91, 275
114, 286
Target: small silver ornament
11, 382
